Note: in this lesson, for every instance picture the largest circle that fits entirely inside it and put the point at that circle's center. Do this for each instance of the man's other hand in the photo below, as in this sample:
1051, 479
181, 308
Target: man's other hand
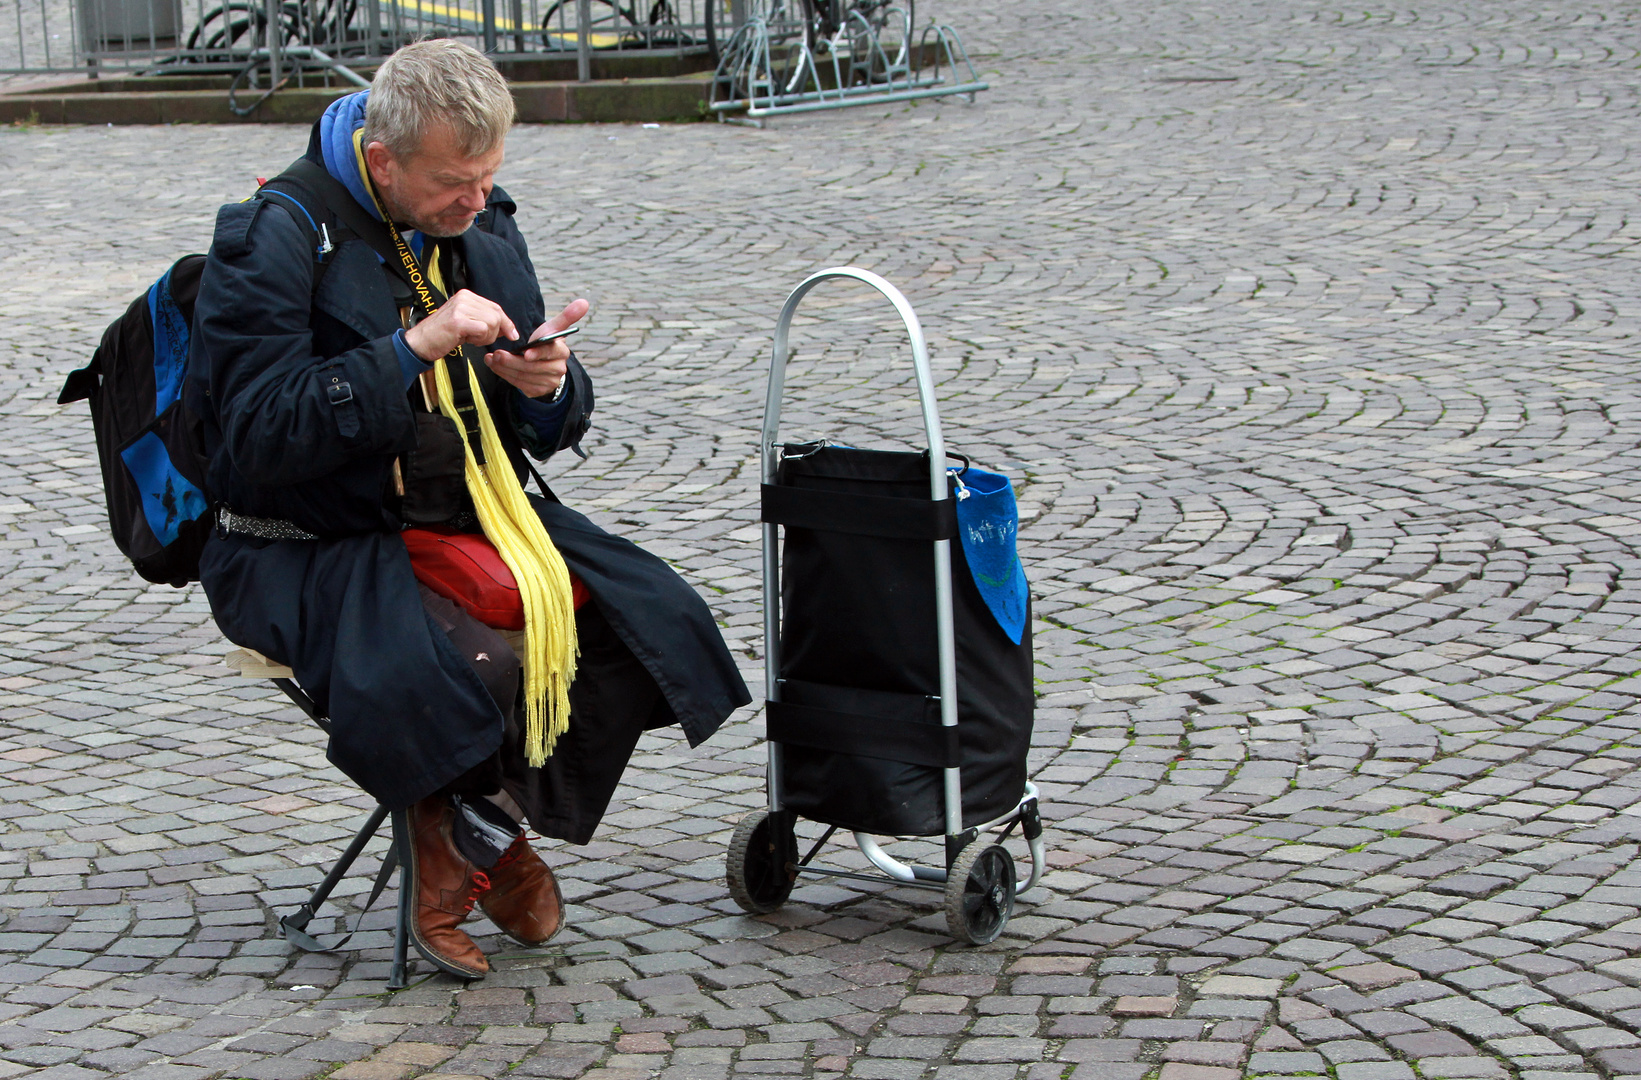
539, 371
465, 319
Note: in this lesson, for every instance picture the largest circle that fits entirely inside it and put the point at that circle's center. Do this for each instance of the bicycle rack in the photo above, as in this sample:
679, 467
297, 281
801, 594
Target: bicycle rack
767, 69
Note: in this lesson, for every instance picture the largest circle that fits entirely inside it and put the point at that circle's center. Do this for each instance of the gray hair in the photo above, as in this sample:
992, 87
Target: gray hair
429, 83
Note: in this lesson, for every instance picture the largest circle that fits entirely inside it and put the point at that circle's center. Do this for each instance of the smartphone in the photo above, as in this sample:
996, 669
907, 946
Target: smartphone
518, 347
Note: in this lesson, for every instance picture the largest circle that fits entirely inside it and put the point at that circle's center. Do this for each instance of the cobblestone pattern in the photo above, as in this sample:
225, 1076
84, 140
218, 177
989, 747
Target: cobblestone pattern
1309, 334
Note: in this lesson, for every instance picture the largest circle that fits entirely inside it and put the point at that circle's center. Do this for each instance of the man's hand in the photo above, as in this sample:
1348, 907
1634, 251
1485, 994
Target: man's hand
538, 371
465, 319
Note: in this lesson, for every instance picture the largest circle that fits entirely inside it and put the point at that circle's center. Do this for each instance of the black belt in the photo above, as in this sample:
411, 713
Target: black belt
230, 523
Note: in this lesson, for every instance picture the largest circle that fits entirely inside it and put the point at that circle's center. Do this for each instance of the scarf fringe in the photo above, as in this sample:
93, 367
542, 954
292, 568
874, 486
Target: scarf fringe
512, 525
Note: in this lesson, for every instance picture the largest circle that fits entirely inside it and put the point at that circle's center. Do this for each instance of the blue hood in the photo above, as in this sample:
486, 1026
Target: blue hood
345, 116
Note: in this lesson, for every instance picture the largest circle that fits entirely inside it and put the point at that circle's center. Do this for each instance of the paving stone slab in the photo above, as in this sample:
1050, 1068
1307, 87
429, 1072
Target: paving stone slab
1307, 337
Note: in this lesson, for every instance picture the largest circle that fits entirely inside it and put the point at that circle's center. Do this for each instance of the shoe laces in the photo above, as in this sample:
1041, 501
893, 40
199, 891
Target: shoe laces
515, 851
479, 885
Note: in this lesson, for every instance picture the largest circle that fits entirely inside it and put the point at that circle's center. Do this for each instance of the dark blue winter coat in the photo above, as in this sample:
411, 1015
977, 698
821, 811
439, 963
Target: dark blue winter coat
408, 714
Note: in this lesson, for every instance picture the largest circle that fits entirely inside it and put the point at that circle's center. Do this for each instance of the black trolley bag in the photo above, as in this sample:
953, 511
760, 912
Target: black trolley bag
896, 705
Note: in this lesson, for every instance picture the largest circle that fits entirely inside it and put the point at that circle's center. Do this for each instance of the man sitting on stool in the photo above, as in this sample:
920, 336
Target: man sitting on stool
327, 436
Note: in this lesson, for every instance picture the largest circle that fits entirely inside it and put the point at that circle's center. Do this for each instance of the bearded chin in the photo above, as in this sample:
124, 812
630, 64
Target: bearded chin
405, 219
437, 231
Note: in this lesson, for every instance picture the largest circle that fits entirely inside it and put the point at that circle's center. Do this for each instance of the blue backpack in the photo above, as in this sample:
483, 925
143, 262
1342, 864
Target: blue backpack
150, 444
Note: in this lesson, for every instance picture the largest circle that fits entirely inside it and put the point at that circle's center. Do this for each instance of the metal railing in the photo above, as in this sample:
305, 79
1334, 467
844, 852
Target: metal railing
771, 56
205, 36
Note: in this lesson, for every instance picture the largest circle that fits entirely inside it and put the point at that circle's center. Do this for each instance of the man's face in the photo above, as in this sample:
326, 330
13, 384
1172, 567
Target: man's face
435, 190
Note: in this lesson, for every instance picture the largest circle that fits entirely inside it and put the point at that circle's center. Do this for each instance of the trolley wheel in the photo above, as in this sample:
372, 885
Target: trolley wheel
758, 877
980, 893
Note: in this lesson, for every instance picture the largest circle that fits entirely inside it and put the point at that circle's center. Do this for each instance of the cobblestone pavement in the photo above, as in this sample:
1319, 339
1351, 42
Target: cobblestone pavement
1308, 332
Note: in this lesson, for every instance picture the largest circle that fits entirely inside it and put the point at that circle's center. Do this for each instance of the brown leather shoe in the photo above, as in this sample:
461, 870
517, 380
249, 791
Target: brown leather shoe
446, 887
523, 900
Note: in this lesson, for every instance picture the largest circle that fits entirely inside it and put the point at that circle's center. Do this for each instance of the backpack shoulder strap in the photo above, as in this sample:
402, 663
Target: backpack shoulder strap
334, 199
296, 202
326, 210
316, 188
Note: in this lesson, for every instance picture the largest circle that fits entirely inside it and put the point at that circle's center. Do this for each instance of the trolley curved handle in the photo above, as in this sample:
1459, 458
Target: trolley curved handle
945, 632
920, 364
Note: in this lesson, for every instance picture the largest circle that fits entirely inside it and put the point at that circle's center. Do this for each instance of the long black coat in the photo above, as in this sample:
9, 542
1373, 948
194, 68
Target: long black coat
408, 713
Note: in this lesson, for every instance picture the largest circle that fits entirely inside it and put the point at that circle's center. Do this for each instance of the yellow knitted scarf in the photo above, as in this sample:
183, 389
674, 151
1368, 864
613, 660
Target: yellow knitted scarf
512, 525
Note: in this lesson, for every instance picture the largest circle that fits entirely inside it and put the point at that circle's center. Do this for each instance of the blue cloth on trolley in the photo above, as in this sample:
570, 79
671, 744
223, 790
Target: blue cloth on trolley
988, 523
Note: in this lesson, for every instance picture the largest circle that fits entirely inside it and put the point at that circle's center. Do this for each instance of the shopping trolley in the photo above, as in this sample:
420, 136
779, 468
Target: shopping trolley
897, 703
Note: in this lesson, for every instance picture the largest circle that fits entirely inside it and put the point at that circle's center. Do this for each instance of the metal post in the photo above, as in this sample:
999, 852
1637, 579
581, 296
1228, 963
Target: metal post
89, 37
304, 32
488, 14
518, 25
584, 40
373, 27
45, 34
273, 9
22, 38
396, 979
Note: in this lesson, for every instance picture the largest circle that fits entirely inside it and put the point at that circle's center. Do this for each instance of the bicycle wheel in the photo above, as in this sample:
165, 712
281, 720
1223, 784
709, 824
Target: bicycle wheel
710, 17
240, 24
785, 19
664, 30
831, 23
610, 27
820, 21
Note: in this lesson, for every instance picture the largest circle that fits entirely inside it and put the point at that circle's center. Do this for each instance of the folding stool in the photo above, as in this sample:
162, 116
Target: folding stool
253, 665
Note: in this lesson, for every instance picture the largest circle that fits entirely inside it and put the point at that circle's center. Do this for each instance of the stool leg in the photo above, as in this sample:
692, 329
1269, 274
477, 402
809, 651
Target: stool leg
397, 979
299, 919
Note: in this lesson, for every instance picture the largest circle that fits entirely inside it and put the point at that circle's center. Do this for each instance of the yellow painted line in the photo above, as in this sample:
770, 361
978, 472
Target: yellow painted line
448, 13
462, 17
599, 41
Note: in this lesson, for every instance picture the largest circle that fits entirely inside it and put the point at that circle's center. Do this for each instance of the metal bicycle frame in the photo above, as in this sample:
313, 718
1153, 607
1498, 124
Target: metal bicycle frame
946, 639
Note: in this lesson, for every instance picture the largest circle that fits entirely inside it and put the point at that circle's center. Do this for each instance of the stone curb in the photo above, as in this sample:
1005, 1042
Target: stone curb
681, 98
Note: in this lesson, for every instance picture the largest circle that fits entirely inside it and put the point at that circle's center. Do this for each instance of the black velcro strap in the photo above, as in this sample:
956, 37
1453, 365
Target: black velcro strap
864, 722
863, 515
461, 395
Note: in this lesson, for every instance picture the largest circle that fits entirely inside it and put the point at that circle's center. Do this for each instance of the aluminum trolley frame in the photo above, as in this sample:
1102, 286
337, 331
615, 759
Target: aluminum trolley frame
978, 879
